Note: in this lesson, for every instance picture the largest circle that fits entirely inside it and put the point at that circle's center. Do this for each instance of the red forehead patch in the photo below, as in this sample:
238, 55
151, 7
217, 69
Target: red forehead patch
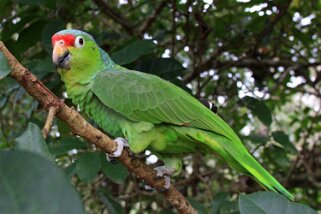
69, 39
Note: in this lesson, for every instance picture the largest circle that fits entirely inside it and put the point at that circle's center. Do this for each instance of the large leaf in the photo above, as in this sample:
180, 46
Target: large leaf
270, 203
197, 205
229, 207
258, 139
116, 172
28, 37
33, 141
219, 199
30, 184
133, 51
277, 155
166, 68
88, 165
259, 109
4, 66
51, 27
283, 139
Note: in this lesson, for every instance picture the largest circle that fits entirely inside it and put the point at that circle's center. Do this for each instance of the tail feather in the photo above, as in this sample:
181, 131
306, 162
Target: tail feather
238, 157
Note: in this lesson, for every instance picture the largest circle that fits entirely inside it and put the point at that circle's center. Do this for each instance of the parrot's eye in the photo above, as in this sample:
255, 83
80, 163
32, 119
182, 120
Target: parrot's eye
79, 42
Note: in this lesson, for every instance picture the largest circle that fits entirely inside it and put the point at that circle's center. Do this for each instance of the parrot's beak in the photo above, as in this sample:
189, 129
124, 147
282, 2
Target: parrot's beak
60, 55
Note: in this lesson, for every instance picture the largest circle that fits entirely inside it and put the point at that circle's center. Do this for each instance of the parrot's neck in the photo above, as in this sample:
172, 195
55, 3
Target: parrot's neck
79, 77
78, 81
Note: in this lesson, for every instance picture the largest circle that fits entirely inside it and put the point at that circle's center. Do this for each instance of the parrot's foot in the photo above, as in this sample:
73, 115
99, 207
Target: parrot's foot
162, 172
121, 143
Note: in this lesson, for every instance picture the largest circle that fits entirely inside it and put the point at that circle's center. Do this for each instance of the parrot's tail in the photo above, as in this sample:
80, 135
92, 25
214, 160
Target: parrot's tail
239, 158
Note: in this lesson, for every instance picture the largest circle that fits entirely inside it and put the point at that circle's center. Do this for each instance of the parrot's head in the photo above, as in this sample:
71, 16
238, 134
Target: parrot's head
75, 53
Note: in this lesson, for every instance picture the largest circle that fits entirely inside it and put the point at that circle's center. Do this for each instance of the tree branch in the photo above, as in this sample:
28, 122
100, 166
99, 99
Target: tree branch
94, 136
149, 21
111, 13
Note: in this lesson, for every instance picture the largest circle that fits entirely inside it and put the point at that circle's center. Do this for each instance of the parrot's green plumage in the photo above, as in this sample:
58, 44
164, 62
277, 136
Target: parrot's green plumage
148, 111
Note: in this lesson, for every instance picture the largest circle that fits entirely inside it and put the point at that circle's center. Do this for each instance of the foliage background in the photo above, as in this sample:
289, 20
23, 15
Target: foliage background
258, 61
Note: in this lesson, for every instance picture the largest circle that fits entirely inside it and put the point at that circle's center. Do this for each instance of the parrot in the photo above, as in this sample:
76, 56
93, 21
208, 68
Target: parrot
145, 111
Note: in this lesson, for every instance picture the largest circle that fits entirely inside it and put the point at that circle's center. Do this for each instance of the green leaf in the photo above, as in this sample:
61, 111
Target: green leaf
51, 27
28, 37
116, 172
270, 203
87, 166
229, 207
219, 199
31, 184
33, 141
277, 155
4, 66
166, 211
112, 205
259, 109
166, 68
70, 170
283, 139
66, 145
198, 206
31, 2
258, 139
133, 51
2, 4
40, 67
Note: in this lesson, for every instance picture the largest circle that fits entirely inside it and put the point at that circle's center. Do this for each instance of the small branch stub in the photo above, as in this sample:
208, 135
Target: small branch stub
51, 115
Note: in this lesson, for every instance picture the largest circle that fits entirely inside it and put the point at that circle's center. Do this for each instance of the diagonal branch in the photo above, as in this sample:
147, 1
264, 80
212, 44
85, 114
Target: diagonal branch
117, 17
149, 21
94, 136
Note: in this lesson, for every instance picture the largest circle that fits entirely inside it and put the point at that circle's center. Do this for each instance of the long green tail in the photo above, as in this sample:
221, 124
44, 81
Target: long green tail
238, 157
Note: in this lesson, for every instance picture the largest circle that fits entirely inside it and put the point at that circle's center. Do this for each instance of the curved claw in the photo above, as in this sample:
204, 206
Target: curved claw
121, 143
162, 170
167, 182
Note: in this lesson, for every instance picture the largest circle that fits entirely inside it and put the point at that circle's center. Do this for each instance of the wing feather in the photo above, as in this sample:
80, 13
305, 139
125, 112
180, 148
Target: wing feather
144, 97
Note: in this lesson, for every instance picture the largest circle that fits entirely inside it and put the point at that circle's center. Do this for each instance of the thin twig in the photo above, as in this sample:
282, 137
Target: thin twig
117, 17
51, 115
150, 20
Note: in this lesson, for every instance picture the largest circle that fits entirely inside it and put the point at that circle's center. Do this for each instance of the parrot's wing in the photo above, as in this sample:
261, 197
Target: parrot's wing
144, 97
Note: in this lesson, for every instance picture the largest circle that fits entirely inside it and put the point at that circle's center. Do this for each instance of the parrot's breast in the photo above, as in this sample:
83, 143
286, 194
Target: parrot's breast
106, 118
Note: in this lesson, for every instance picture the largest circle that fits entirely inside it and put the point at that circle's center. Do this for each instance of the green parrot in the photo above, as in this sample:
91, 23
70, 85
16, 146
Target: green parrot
151, 113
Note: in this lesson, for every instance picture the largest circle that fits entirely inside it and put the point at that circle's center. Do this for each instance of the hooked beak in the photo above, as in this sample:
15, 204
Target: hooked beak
60, 55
